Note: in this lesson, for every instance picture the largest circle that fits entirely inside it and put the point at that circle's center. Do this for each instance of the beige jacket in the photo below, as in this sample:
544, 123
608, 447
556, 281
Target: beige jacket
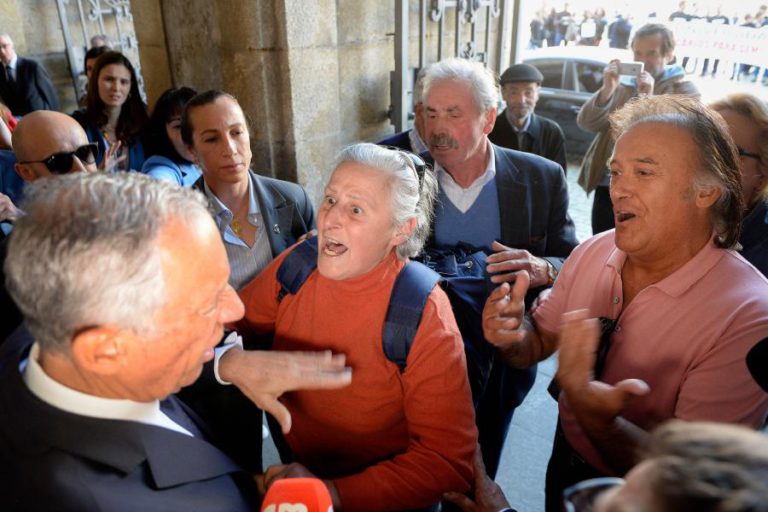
594, 118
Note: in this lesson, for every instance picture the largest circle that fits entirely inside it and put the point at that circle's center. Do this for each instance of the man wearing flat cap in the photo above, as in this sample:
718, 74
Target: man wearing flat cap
517, 127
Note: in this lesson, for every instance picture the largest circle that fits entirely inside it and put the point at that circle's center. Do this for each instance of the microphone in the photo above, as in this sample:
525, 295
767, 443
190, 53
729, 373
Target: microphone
297, 495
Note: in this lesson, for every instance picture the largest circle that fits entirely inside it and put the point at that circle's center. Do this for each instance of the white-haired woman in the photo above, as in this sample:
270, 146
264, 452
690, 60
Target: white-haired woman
392, 440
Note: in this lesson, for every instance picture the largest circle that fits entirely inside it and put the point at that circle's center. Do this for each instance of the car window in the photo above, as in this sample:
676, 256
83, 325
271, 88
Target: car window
552, 71
590, 76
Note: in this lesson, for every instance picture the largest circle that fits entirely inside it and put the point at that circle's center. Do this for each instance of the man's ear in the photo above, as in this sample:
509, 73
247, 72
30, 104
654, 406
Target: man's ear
25, 172
707, 196
490, 120
100, 350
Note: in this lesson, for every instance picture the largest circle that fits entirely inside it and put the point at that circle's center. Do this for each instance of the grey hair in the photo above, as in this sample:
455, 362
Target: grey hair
718, 158
483, 82
410, 200
85, 253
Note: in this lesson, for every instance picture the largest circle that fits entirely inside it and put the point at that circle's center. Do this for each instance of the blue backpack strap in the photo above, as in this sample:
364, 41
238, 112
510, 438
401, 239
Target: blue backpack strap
297, 267
406, 304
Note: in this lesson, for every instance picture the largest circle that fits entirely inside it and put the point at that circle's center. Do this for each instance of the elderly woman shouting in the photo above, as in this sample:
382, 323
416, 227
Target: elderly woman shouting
394, 439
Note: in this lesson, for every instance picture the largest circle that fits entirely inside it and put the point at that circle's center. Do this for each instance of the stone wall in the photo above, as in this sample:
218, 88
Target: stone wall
311, 76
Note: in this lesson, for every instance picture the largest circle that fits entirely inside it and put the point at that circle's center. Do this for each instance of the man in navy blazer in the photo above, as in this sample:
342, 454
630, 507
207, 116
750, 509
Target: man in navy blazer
24, 84
512, 204
123, 282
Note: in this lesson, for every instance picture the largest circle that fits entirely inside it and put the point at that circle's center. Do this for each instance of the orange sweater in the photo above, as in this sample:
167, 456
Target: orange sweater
389, 441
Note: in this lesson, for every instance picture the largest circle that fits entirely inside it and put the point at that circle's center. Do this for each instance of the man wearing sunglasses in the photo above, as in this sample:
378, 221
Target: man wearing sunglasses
683, 308
46, 143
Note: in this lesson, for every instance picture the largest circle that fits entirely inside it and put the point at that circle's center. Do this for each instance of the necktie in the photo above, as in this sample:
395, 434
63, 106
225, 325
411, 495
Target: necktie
174, 410
9, 74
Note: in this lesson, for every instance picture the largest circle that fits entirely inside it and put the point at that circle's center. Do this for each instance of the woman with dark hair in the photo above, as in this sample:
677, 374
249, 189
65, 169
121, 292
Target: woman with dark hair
170, 160
259, 217
115, 114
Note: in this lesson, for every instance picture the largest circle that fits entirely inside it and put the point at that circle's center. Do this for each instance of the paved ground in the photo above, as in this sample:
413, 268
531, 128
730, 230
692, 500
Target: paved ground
524, 461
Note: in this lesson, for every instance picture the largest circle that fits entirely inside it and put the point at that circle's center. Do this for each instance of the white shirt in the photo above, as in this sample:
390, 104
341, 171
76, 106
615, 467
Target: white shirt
67, 399
464, 198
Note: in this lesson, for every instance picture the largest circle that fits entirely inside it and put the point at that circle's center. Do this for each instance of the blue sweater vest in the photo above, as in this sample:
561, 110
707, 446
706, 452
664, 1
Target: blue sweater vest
479, 226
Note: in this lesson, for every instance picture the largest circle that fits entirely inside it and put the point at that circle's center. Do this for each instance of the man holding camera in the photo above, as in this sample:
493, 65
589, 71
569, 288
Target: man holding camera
654, 47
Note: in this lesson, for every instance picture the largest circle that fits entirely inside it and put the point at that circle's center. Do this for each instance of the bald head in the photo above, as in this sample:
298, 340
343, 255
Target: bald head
43, 133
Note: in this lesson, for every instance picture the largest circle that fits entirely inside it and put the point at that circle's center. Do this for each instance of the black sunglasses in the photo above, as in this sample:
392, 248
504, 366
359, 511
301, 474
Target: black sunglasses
61, 163
744, 152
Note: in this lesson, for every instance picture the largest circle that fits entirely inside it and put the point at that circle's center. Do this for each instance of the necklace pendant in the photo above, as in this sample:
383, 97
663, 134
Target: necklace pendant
236, 227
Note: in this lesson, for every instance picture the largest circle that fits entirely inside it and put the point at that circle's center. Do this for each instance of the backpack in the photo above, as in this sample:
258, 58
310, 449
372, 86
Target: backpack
460, 273
409, 296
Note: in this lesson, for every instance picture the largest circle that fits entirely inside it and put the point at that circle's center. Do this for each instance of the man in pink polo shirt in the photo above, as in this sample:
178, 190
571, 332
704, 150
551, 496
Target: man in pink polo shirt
679, 308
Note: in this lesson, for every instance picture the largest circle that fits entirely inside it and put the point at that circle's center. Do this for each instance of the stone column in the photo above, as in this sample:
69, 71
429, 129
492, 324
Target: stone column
311, 76
148, 24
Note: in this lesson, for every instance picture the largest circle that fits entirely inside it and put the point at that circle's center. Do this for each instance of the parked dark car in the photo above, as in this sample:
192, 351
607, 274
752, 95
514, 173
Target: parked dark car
571, 75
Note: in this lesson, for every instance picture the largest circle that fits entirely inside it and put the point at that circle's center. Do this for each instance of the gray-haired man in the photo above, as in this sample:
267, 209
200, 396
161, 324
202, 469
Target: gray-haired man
122, 281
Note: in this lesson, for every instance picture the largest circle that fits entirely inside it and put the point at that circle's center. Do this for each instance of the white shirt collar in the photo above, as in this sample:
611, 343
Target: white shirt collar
67, 399
12, 64
417, 143
464, 198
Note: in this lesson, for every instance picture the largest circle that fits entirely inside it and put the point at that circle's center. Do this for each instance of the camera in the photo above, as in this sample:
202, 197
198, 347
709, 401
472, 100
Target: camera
630, 68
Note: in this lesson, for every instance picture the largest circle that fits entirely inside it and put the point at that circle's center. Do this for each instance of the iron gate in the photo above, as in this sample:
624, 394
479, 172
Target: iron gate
82, 19
473, 23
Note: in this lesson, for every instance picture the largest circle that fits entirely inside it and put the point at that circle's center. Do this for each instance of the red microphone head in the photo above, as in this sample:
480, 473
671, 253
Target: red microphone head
297, 495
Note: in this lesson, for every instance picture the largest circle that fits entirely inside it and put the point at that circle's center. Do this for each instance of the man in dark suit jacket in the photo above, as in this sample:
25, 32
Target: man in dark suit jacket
512, 204
517, 127
24, 84
123, 311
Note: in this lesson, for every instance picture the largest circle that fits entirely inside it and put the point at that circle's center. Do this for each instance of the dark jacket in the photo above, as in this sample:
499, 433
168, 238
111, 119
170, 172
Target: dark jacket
286, 208
31, 89
55, 460
544, 137
754, 237
399, 140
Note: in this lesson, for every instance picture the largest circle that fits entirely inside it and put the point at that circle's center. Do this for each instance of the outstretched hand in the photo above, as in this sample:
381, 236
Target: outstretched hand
113, 157
263, 376
590, 399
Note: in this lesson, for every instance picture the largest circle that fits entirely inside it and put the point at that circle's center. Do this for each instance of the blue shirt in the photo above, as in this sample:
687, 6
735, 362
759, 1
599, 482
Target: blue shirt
162, 168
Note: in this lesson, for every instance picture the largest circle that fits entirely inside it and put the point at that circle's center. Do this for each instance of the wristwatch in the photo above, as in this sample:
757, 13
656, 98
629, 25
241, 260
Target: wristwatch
551, 273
